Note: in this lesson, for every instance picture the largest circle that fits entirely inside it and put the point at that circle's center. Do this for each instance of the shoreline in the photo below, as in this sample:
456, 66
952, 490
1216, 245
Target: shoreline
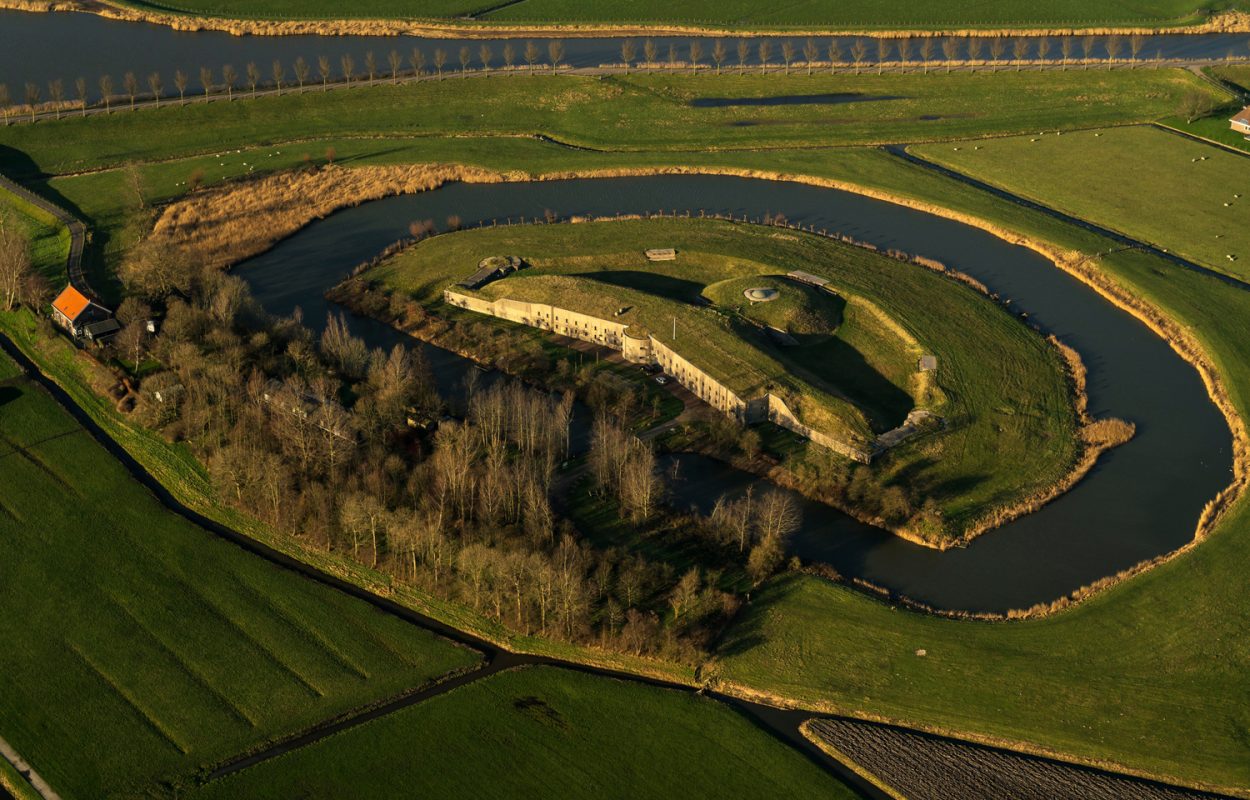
1223, 22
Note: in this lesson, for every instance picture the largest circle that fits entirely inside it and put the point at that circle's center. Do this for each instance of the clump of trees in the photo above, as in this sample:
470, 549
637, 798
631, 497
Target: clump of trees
18, 281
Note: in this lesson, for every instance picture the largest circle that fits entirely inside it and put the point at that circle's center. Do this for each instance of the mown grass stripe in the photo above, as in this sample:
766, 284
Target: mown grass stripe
151, 721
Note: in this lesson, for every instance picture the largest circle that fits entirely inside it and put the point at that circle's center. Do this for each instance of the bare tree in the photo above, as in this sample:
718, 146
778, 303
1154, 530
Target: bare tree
228, 77
509, 56
15, 263
132, 87
629, 52
997, 48
464, 60
301, 71
440, 60
531, 54
1135, 43
787, 54
765, 50
416, 59
859, 51
744, 54
926, 52
485, 55
555, 50
685, 593
106, 91
180, 83
80, 88
1113, 48
278, 73
950, 51
718, 54
696, 54
904, 51
349, 68
323, 69
1043, 48
253, 76
1065, 50
371, 66
883, 51
1195, 104
810, 53
157, 86
649, 52
56, 93
5, 102
835, 55
975, 44
672, 53
1087, 47
1019, 49
32, 98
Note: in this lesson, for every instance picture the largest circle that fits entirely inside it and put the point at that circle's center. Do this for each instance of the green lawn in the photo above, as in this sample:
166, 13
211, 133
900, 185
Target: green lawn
544, 732
1172, 192
139, 648
49, 240
853, 14
634, 112
8, 369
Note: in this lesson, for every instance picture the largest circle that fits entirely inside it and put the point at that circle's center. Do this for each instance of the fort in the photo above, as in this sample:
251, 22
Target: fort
640, 347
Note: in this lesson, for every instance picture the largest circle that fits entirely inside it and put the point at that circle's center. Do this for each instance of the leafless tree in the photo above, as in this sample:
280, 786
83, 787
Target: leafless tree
1113, 48
765, 50
950, 51
718, 54
253, 76
56, 93
744, 54
278, 73
1135, 43
835, 55
1195, 104
301, 71
80, 89
1065, 50
228, 77
32, 98
555, 51
883, 52
465, 58
15, 264
685, 593
1087, 47
672, 53
180, 83
485, 55
323, 69
997, 48
926, 52
371, 66
509, 56
649, 52
531, 55
696, 54
810, 53
975, 43
5, 102
132, 87
157, 86
787, 54
348, 65
859, 51
106, 91
1019, 49
416, 59
628, 53
1043, 48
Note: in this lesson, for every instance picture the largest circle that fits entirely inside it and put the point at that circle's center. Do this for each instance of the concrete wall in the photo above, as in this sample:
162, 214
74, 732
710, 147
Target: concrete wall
650, 350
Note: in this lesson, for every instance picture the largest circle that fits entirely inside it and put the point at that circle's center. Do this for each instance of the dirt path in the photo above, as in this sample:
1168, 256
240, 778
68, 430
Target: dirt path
27, 771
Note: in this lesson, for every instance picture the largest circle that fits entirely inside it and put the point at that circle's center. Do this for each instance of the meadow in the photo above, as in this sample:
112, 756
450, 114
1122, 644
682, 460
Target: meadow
735, 14
543, 732
49, 240
139, 648
1177, 194
1149, 675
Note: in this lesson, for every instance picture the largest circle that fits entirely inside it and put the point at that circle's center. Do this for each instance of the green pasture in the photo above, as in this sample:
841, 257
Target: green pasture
1182, 196
140, 649
736, 14
49, 240
544, 732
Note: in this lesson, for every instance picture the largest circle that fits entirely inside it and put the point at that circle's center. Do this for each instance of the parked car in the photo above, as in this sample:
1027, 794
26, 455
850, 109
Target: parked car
661, 379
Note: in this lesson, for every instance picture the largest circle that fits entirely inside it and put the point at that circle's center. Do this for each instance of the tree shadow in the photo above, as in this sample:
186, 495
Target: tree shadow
8, 394
682, 291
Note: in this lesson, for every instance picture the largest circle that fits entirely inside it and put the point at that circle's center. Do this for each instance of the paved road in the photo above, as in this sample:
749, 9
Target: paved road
36, 780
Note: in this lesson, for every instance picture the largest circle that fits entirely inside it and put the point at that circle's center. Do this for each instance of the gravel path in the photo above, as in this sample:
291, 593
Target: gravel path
27, 771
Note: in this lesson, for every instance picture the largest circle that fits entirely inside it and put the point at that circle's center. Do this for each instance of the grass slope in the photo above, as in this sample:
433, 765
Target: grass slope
1153, 185
1010, 398
49, 240
543, 732
852, 14
138, 647
633, 112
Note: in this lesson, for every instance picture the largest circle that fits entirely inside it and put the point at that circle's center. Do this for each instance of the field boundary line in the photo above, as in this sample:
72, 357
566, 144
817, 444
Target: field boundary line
125, 695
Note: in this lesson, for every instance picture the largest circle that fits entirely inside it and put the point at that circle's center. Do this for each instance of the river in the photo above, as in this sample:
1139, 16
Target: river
40, 48
1140, 501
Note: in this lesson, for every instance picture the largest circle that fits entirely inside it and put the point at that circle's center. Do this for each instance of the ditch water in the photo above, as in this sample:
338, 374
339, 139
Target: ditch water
1140, 501
43, 47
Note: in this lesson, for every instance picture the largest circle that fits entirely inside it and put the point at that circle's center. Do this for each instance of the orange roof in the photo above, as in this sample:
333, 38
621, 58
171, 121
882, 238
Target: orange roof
71, 303
1243, 116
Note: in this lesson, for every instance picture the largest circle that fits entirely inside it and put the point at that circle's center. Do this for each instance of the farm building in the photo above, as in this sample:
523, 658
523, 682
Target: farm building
83, 317
1241, 122
661, 254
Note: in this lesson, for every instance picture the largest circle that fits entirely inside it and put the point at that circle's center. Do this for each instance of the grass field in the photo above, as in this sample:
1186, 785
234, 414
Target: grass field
634, 112
1011, 401
544, 732
139, 648
854, 14
1180, 195
49, 240
1151, 674
7, 368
